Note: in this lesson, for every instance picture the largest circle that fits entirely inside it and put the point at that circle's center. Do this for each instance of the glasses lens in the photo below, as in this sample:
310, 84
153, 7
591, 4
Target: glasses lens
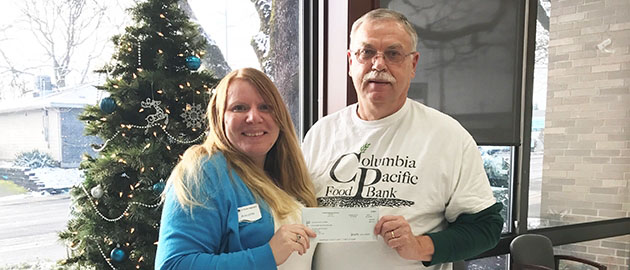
391, 56
366, 55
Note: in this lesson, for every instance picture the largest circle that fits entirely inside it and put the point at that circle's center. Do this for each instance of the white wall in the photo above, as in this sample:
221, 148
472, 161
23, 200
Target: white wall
24, 131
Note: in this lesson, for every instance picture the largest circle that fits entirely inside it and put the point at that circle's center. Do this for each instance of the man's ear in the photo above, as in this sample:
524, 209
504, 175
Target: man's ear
349, 62
414, 63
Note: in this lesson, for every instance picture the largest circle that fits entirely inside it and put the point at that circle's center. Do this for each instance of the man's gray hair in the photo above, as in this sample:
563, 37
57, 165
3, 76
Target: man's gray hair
383, 14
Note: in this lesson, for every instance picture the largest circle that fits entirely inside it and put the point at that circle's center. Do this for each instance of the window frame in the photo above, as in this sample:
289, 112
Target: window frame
559, 235
309, 58
320, 100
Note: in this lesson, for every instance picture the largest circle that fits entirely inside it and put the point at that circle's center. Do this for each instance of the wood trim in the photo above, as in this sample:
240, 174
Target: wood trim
324, 42
356, 9
331, 100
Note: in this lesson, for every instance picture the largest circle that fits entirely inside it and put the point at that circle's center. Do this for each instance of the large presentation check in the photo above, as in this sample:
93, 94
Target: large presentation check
341, 224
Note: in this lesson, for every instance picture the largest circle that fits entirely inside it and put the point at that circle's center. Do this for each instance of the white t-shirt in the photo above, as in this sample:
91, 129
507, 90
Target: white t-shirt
417, 162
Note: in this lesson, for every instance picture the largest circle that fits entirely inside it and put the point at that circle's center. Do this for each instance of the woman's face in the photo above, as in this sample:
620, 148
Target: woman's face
249, 122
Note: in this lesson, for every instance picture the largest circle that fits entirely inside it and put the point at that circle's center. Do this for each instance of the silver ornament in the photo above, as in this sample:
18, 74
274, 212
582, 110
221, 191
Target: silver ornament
193, 115
97, 192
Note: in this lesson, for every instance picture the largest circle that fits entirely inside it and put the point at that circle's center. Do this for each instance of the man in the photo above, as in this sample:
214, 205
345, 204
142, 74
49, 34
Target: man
419, 166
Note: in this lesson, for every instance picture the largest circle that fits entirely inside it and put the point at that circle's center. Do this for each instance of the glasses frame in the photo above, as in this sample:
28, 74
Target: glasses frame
382, 53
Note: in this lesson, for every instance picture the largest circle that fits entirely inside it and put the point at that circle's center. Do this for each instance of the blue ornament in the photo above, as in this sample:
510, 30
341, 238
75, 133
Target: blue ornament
118, 254
108, 105
158, 187
193, 62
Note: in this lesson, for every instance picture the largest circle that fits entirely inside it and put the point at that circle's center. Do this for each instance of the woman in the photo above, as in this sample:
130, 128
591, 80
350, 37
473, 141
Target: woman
227, 196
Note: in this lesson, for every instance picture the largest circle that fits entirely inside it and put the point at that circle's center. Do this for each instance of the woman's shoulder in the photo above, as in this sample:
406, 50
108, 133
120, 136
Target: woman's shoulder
212, 165
217, 174
215, 161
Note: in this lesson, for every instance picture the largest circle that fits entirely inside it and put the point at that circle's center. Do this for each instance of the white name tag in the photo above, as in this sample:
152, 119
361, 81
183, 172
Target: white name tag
249, 213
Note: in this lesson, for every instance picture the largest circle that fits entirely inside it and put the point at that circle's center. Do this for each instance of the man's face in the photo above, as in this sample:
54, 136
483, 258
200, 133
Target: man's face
374, 87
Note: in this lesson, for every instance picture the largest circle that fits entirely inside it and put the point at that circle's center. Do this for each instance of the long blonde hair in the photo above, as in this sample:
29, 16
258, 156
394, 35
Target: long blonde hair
284, 163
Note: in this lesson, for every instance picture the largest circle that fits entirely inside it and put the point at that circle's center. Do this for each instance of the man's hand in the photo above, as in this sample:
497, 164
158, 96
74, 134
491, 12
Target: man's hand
397, 234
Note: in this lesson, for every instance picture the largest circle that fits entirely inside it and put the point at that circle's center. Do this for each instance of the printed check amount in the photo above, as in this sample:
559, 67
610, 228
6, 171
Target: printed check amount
341, 224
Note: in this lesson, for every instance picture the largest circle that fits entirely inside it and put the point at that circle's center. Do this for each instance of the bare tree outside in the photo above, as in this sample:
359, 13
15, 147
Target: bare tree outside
542, 32
213, 60
13, 81
277, 48
65, 40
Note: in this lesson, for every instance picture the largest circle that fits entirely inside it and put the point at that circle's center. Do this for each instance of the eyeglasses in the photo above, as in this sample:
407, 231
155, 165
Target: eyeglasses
366, 55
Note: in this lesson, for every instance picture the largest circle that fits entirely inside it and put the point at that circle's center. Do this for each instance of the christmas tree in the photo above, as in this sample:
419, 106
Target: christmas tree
154, 111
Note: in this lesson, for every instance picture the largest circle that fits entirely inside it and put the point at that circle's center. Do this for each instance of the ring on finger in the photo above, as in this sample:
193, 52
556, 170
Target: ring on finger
298, 237
393, 235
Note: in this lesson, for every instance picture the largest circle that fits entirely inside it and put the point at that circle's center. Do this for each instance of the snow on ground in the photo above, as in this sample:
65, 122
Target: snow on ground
57, 182
58, 178
54, 180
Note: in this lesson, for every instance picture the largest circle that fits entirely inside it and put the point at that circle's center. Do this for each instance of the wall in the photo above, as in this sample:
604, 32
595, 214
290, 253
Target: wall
333, 79
56, 131
73, 140
53, 128
21, 177
20, 132
586, 163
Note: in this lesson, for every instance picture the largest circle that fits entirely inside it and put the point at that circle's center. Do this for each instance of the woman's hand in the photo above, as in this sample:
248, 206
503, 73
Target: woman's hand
289, 238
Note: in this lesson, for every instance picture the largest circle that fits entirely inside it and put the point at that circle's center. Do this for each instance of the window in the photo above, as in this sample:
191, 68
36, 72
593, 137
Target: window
488, 263
246, 35
497, 161
469, 57
242, 34
581, 113
43, 140
573, 168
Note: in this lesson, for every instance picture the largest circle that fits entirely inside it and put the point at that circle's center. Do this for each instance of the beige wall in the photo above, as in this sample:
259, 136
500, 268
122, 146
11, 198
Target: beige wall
25, 131
586, 163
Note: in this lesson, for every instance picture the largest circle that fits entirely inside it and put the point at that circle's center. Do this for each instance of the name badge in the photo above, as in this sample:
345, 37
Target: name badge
249, 213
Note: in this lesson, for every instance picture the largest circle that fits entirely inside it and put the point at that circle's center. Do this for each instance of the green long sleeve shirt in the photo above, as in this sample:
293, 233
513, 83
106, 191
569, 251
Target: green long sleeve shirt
468, 236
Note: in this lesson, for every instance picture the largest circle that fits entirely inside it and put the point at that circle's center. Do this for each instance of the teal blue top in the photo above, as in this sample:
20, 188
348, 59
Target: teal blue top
212, 237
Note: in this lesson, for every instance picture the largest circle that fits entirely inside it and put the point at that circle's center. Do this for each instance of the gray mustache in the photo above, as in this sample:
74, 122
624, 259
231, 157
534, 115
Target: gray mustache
379, 76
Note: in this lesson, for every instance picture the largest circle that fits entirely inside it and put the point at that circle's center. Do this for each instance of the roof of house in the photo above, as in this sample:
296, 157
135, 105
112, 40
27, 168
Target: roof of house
71, 97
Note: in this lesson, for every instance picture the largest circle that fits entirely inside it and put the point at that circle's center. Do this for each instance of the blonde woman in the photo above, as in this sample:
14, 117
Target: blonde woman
234, 201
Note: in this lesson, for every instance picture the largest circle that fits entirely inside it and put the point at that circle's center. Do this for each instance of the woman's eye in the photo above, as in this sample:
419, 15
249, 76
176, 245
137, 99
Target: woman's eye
265, 107
239, 108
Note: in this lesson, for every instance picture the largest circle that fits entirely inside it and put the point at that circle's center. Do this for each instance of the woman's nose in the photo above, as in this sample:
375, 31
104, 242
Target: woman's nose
254, 116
